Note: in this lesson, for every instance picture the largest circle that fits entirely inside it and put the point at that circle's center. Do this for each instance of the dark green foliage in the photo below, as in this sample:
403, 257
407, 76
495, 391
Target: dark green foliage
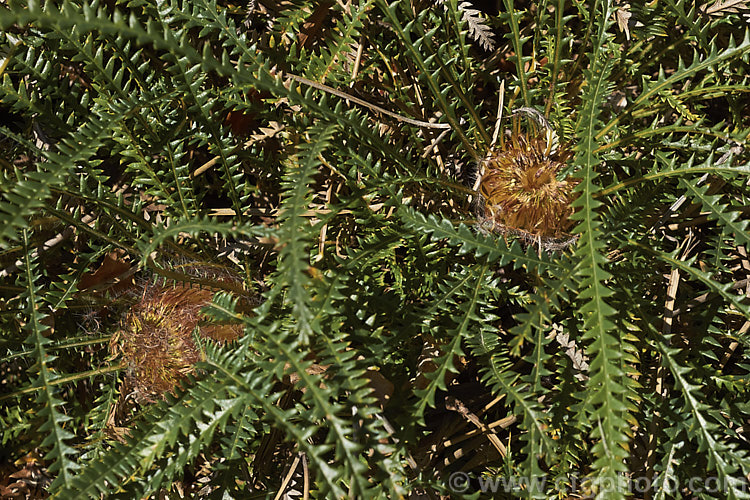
175, 145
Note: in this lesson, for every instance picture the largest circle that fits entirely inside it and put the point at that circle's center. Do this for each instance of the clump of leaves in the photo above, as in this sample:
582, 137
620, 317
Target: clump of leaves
324, 152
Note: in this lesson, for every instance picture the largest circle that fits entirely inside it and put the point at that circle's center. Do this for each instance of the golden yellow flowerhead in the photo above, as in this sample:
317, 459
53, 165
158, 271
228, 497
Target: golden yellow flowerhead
522, 190
156, 336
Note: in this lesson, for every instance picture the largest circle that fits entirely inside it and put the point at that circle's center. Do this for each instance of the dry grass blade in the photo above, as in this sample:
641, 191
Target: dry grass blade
288, 478
373, 107
454, 404
264, 133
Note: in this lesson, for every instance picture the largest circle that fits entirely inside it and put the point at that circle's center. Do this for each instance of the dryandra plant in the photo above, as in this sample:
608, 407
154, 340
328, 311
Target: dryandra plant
587, 339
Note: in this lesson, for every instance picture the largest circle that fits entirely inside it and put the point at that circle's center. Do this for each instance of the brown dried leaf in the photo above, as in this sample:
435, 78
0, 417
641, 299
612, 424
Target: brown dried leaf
576, 354
382, 387
314, 25
114, 265
268, 132
478, 30
721, 7
623, 15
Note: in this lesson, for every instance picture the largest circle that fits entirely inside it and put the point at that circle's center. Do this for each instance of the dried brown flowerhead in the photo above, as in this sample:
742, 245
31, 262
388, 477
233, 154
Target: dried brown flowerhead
156, 336
522, 192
